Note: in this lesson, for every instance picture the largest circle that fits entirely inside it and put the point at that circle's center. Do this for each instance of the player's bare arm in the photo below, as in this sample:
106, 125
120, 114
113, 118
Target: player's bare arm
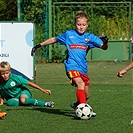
47, 42
38, 87
125, 70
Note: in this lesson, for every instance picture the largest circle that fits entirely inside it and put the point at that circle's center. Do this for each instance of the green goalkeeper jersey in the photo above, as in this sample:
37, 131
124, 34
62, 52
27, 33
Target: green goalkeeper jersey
13, 87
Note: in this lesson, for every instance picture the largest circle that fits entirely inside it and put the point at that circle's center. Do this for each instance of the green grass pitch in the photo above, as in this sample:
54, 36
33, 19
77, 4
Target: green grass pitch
111, 99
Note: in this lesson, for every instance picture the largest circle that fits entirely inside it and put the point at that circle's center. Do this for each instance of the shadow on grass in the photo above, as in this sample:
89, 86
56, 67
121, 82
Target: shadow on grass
64, 112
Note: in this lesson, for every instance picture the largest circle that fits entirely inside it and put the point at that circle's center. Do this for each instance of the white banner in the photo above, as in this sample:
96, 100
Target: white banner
16, 42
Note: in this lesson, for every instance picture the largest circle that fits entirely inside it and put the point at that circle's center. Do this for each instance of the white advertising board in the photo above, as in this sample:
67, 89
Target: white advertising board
16, 42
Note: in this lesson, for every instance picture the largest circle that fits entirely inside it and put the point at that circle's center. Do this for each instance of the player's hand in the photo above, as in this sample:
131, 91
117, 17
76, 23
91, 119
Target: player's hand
47, 91
104, 39
121, 73
35, 48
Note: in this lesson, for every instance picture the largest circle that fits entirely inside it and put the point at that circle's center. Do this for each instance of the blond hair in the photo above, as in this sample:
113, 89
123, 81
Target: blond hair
4, 66
81, 14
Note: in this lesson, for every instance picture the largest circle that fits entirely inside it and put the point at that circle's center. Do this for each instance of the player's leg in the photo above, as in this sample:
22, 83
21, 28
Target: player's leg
84, 85
87, 93
77, 81
26, 99
85, 78
79, 93
80, 90
13, 102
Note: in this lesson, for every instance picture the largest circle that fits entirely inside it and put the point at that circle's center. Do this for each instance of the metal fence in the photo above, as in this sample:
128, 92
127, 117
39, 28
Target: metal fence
113, 19
110, 18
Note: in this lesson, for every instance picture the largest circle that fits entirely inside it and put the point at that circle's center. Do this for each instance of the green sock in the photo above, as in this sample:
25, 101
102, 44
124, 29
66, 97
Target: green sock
13, 102
31, 101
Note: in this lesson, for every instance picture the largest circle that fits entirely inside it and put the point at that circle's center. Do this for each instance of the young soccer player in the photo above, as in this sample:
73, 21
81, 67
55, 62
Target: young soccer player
78, 43
13, 89
125, 70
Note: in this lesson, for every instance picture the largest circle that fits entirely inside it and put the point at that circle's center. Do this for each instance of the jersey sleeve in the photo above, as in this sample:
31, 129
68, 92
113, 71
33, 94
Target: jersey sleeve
24, 81
61, 38
95, 41
20, 80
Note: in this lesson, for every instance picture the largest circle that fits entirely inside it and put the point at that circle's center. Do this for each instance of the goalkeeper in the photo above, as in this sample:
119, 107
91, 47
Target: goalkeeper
78, 43
13, 89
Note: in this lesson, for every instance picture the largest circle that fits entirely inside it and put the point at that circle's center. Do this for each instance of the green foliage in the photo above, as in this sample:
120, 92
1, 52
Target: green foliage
3, 6
8, 10
33, 11
58, 55
36, 12
110, 19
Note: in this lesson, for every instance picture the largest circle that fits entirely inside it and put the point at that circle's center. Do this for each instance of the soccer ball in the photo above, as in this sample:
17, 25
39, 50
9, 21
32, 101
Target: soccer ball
83, 111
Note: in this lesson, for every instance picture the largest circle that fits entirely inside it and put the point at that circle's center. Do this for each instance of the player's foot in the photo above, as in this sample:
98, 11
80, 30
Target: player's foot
49, 104
93, 114
2, 114
72, 105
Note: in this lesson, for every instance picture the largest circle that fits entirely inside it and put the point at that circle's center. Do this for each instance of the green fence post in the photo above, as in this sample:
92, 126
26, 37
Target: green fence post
19, 10
130, 19
50, 26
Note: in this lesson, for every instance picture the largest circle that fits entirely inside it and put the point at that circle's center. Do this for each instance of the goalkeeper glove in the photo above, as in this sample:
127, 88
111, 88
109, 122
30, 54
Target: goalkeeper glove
35, 48
104, 39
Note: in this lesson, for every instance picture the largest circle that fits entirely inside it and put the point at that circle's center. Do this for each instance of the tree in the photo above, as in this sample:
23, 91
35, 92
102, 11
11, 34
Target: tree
8, 10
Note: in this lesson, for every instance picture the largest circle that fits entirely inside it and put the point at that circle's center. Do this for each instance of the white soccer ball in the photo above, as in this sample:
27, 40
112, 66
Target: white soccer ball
83, 111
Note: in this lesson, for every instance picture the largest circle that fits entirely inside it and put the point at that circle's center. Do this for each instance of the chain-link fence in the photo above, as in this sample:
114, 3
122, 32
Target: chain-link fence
109, 18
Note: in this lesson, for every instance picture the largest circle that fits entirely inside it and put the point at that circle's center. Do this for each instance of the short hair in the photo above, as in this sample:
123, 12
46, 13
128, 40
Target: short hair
4, 66
81, 14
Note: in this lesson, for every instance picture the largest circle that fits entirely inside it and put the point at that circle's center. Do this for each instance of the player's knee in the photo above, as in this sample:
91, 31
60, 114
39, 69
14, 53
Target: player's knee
80, 84
13, 102
22, 100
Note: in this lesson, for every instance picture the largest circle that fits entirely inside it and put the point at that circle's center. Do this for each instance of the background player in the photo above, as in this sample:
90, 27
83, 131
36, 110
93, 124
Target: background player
125, 70
13, 89
78, 43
